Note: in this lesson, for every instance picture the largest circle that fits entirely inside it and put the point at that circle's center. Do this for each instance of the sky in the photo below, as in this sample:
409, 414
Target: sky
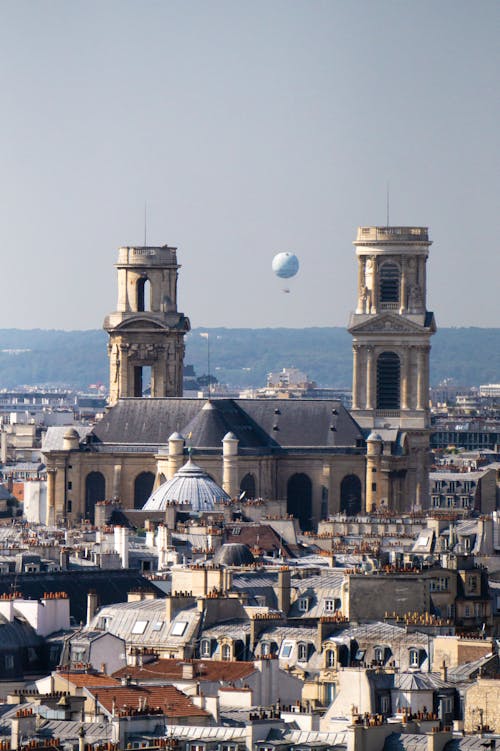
246, 127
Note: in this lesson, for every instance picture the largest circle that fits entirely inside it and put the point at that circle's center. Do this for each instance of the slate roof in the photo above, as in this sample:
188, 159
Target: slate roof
261, 425
255, 533
405, 742
471, 743
419, 682
382, 633
69, 730
53, 438
111, 586
144, 623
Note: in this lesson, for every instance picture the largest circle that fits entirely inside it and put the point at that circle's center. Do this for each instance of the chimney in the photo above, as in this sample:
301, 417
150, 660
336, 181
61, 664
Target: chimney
283, 592
91, 606
187, 671
81, 739
444, 671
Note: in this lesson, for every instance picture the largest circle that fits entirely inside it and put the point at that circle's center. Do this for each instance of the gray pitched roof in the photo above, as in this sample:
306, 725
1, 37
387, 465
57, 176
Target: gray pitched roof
259, 424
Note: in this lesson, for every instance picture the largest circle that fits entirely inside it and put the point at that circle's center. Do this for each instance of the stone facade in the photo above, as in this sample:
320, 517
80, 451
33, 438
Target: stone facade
482, 706
391, 330
146, 330
310, 453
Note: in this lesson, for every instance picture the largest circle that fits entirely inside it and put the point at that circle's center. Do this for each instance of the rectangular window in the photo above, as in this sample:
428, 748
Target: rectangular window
329, 606
303, 604
286, 650
374, 486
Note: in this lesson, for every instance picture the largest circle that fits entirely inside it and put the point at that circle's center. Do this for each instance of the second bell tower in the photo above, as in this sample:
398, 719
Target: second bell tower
391, 329
146, 332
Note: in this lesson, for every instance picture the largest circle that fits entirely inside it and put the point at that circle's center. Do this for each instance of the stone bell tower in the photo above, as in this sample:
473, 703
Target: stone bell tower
391, 332
146, 332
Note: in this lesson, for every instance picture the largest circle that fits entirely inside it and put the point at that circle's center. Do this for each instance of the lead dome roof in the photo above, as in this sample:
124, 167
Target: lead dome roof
190, 484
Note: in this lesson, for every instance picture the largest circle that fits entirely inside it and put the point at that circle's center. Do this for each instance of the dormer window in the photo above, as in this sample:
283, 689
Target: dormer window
265, 648
414, 658
205, 649
330, 658
302, 652
379, 654
226, 652
303, 604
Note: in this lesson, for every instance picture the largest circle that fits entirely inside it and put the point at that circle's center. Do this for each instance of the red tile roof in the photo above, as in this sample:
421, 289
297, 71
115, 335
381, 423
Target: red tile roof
167, 699
86, 680
203, 670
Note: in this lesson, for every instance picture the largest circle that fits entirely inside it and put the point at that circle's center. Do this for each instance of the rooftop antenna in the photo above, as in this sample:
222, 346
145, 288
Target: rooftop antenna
145, 223
387, 203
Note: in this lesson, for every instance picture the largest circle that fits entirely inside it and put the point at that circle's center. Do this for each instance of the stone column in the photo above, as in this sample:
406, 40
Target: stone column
370, 378
355, 376
361, 284
51, 496
423, 281
117, 473
421, 401
405, 377
124, 373
403, 287
375, 285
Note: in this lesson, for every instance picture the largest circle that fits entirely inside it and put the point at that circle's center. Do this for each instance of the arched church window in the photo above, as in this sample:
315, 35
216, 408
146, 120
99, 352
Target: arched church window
350, 495
299, 499
143, 487
389, 282
247, 485
388, 381
95, 490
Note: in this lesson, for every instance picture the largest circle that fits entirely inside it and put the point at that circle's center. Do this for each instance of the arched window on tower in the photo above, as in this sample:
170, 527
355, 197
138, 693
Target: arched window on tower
389, 285
388, 381
143, 294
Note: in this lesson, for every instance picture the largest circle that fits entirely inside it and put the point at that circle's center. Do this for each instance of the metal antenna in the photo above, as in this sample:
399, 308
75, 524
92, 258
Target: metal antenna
145, 223
387, 203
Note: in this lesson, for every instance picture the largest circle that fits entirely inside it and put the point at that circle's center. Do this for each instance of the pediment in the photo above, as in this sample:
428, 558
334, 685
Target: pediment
139, 324
387, 323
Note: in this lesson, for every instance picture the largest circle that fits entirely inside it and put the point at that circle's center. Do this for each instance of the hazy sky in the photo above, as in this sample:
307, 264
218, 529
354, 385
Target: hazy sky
248, 127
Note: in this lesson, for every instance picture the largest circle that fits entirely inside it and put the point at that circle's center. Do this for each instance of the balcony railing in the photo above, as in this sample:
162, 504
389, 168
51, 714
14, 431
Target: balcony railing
392, 234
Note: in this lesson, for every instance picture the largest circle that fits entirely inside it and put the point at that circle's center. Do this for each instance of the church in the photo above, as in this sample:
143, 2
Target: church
313, 454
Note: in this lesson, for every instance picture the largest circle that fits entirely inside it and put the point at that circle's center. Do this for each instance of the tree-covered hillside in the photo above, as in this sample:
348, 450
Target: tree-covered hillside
239, 357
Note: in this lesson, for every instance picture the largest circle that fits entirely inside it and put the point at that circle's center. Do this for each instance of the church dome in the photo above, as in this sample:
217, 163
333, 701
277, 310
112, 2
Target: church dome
190, 484
233, 554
